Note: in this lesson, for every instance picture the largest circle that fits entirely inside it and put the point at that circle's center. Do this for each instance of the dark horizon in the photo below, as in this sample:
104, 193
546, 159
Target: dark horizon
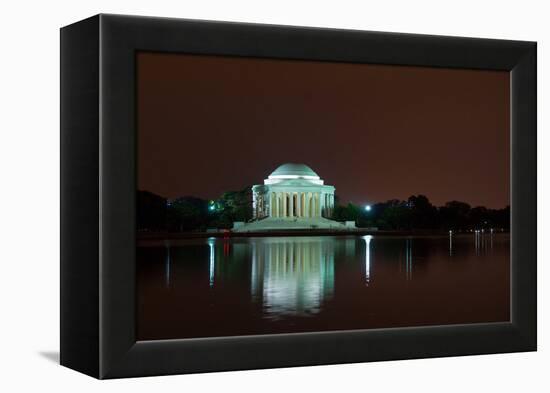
344, 202
212, 124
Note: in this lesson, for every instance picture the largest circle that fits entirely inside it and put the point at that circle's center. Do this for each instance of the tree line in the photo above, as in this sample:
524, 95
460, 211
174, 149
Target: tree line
417, 213
188, 213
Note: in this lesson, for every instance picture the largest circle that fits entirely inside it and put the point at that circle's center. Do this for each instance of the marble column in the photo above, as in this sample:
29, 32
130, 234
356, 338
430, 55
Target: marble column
291, 207
317, 204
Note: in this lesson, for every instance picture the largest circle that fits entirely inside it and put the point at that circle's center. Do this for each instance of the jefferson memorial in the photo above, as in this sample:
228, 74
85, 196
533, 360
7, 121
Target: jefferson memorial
292, 197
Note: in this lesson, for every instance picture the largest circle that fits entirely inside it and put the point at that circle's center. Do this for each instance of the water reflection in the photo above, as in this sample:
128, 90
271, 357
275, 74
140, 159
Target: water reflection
367, 239
483, 241
408, 258
212, 260
210, 287
167, 264
292, 276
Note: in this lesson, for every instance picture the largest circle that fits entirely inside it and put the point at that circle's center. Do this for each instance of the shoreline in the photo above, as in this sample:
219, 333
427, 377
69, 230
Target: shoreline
295, 232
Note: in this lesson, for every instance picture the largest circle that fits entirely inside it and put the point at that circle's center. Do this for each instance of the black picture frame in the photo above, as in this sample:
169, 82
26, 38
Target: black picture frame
98, 187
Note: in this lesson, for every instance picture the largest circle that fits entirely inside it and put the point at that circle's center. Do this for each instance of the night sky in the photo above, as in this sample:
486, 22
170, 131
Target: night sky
212, 124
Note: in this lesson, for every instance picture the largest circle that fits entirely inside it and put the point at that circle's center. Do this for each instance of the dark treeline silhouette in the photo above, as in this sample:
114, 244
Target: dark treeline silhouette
188, 213
155, 213
417, 213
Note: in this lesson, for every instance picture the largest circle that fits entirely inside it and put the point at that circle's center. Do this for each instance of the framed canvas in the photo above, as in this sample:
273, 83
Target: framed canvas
241, 196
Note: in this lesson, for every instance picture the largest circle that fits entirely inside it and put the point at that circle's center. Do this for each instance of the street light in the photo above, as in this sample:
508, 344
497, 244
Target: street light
368, 208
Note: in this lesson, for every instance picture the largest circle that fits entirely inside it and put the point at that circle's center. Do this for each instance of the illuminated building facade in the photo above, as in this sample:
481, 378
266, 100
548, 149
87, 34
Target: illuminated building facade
293, 191
293, 197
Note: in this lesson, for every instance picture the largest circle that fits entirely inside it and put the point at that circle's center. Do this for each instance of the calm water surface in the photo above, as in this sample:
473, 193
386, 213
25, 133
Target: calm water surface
225, 287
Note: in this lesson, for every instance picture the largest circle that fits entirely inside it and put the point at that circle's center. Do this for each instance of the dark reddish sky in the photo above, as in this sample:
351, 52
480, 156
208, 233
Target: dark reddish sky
212, 124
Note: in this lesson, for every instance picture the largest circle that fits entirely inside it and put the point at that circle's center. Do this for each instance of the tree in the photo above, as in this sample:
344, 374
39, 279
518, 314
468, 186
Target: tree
480, 217
187, 213
396, 215
501, 218
350, 212
151, 211
233, 206
423, 215
454, 215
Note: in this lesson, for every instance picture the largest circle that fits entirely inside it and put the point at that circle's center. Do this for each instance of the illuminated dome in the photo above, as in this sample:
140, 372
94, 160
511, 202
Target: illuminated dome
292, 197
293, 191
294, 171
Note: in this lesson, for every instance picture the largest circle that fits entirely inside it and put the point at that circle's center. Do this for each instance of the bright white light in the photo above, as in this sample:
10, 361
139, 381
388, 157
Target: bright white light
368, 208
367, 238
211, 241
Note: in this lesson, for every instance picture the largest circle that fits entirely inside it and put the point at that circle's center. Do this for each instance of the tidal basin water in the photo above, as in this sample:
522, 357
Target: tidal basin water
244, 286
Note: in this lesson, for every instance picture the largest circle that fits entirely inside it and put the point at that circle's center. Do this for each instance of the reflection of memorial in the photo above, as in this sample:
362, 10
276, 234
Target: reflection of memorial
292, 276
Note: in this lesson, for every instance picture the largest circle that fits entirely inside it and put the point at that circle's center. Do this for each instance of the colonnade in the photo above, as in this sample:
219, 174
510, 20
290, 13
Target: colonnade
300, 204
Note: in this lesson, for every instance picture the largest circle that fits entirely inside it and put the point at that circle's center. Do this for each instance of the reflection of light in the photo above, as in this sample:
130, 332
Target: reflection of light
211, 241
450, 243
482, 241
292, 276
368, 208
167, 277
226, 247
478, 241
254, 274
408, 258
367, 238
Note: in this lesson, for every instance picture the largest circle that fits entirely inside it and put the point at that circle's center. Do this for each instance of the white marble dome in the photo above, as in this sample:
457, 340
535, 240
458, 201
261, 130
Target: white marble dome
293, 171
293, 191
